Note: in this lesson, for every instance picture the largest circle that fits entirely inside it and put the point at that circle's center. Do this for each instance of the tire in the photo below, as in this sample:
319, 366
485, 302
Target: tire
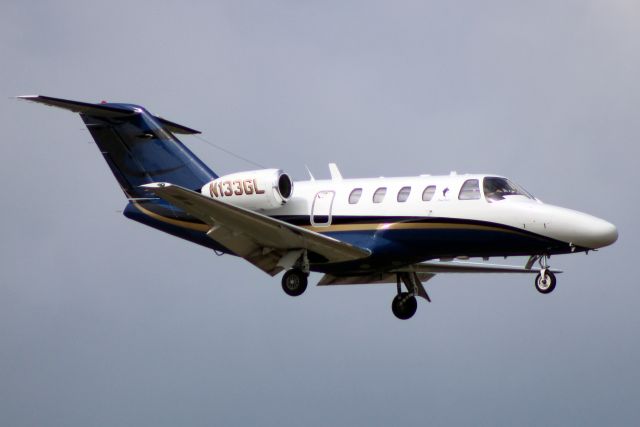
294, 282
546, 284
404, 306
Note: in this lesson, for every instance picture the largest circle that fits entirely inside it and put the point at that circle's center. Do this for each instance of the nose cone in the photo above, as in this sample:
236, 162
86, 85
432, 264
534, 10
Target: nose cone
590, 232
603, 233
577, 228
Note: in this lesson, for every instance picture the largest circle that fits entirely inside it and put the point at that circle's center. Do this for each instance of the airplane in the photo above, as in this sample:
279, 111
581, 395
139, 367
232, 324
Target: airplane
401, 230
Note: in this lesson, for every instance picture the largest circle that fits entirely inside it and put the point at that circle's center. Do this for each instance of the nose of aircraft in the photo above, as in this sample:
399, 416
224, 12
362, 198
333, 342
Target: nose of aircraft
602, 233
590, 232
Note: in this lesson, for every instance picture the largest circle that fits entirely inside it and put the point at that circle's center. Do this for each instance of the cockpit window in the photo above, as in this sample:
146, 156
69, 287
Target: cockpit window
498, 188
470, 190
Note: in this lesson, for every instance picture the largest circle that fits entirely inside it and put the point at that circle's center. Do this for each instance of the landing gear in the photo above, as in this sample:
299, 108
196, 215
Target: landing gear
294, 282
404, 305
545, 281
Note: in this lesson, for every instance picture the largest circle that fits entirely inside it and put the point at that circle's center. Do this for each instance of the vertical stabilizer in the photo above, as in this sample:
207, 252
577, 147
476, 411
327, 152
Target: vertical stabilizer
138, 147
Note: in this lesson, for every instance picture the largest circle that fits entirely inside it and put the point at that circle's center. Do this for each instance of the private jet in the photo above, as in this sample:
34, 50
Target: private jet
401, 230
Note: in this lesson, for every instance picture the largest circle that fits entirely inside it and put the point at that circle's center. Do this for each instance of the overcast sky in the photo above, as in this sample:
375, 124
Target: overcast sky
104, 322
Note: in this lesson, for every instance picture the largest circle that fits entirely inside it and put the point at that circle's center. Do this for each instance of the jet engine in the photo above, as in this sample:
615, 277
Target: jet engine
256, 190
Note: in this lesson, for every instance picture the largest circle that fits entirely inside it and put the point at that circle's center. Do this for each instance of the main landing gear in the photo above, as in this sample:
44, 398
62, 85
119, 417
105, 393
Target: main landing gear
294, 282
405, 304
545, 280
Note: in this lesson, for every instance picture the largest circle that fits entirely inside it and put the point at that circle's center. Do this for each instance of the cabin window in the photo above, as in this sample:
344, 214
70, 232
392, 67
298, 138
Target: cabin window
403, 194
428, 193
470, 190
354, 197
378, 196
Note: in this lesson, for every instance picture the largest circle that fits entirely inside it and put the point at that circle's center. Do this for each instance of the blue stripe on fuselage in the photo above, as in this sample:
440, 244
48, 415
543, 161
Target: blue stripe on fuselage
445, 242
169, 219
389, 247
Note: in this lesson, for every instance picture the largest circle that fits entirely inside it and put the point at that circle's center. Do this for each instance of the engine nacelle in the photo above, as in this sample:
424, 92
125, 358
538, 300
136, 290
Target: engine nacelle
256, 190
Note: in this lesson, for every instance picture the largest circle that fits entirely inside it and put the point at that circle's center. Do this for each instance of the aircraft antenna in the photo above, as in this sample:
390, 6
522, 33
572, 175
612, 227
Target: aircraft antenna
310, 174
229, 152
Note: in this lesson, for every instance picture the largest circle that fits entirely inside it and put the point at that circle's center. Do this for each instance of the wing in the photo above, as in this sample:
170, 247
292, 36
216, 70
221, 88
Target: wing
270, 244
426, 271
415, 275
439, 267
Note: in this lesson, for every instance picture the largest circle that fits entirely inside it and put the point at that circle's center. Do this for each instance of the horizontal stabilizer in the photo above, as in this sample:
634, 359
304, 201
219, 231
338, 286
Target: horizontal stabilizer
98, 110
104, 110
176, 128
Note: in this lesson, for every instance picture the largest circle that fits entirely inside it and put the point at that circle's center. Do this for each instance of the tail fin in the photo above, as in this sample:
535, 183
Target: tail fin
139, 148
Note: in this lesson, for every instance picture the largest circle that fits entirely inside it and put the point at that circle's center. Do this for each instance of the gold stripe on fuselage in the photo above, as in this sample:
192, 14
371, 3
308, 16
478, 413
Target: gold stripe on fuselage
343, 227
179, 223
407, 226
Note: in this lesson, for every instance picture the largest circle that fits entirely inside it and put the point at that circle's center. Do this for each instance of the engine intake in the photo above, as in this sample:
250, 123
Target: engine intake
256, 190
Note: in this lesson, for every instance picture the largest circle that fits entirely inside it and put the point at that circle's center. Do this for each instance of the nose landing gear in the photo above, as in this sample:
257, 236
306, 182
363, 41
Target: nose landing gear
545, 280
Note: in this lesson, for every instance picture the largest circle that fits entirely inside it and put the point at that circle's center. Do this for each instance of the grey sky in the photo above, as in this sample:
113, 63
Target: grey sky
105, 322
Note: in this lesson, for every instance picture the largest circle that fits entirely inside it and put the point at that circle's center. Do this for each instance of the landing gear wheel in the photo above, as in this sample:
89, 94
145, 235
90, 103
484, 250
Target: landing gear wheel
294, 282
545, 282
404, 306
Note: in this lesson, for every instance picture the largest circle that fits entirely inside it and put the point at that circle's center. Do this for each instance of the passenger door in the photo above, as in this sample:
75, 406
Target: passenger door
321, 209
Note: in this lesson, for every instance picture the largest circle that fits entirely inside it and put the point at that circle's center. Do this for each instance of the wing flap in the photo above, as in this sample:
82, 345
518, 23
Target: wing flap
265, 260
371, 279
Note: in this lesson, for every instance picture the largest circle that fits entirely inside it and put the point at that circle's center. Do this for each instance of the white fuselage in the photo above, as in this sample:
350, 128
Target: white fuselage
323, 200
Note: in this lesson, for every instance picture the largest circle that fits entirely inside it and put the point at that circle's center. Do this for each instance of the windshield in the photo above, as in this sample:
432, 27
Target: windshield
498, 188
